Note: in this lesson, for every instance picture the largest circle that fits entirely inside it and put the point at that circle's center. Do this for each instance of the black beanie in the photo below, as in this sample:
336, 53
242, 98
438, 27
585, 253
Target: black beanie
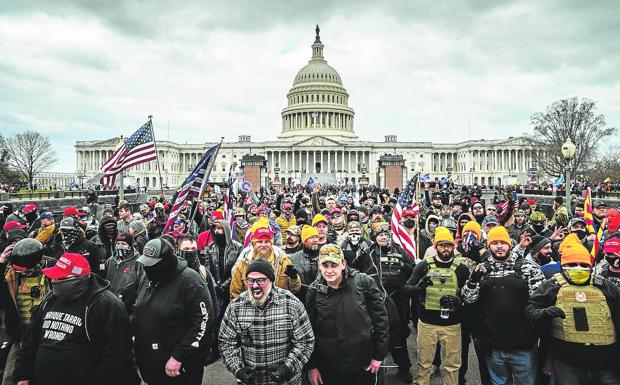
261, 266
538, 242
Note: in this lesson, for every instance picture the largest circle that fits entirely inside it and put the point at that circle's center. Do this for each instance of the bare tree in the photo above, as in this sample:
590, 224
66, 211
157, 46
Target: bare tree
567, 118
606, 165
30, 153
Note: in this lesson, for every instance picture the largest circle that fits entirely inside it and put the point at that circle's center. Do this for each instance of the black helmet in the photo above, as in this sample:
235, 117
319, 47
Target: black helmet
27, 253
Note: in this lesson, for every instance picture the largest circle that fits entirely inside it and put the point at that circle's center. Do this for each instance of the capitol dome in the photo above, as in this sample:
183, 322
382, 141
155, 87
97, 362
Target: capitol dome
317, 102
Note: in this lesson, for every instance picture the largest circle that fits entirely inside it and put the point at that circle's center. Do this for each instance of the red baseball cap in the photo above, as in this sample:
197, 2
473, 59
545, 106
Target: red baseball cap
72, 211
10, 225
217, 216
410, 213
612, 245
262, 233
29, 207
531, 202
336, 210
70, 264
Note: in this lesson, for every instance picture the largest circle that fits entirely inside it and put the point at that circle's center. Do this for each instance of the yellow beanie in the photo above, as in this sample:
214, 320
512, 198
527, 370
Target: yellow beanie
474, 227
498, 233
318, 218
308, 232
262, 222
574, 252
570, 238
442, 234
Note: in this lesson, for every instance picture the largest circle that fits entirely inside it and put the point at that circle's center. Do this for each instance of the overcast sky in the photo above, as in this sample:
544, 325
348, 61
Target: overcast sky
425, 70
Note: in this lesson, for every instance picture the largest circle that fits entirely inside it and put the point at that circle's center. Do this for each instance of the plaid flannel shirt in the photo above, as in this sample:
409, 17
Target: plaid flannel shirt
280, 333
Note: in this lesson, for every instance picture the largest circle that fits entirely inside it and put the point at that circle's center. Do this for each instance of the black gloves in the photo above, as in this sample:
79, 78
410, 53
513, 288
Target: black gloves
425, 282
476, 276
280, 373
552, 312
246, 375
450, 302
291, 271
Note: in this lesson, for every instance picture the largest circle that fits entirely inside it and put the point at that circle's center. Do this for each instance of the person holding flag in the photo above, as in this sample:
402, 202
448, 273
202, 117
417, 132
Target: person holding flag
400, 235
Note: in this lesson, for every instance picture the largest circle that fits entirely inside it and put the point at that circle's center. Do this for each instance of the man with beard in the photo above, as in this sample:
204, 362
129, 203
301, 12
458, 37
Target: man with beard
337, 227
123, 271
580, 314
287, 276
24, 287
306, 260
538, 225
266, 336
301, 217
286, 219
348, 316
518, 226
477, 210
73, 241
219, 258
293, 244
376, 214
79, 333
174, 317
436, 283
241, 225
502, 285
393, 269
363, 219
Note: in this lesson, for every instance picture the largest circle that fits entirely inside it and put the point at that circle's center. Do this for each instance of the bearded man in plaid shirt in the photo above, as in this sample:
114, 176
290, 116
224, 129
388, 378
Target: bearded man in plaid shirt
265, 336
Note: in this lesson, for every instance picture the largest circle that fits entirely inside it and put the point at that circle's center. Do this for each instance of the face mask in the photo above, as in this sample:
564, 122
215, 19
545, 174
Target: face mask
538, 227
409, 223
578, 275
71, 289
161, 270
191, 257
123, 252
354, 238
31, 216
470, 242
581, 234
69, 237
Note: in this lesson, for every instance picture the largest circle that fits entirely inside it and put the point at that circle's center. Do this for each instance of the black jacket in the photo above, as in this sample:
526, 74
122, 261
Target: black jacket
86, 249
350, 323
124, 277
172, 318
86, 341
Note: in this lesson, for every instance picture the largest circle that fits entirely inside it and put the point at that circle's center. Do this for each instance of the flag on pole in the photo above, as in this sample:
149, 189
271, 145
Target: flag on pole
406, 200
139, 148
587, 211
229, 201
192, 185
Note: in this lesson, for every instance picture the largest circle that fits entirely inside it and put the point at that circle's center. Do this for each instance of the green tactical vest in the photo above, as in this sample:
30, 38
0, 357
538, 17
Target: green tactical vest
600, 326
444, 280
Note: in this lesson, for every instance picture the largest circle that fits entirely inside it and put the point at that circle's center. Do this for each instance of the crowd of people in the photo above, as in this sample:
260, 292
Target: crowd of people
310, 285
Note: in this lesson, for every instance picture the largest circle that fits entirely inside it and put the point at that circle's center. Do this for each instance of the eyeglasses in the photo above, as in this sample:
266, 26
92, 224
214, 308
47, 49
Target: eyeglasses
259, 281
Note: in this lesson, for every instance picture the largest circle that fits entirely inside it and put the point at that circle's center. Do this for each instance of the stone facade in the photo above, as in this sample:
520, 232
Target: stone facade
317, 140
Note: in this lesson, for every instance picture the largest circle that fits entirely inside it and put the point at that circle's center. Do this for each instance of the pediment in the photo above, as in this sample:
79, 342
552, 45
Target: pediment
318, 141
109, 142
517, 141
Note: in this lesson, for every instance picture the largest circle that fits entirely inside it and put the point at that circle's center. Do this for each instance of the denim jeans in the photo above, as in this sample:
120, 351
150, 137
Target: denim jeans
566, 374
517, 367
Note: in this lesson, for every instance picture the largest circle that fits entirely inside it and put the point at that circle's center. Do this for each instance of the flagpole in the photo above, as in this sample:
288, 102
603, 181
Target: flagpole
417, 218
161, 185
204, 181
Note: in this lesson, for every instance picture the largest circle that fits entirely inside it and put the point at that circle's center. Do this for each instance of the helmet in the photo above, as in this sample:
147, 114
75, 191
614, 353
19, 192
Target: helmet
239, 212
26, 246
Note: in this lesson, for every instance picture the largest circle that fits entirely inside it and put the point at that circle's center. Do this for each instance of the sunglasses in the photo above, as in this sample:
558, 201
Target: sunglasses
259, 281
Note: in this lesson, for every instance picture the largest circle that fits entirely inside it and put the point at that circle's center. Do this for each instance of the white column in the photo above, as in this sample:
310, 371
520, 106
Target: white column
329, 161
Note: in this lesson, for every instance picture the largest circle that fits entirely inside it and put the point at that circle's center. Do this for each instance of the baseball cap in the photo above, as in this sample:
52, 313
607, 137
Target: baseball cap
262, 233
612, 245
67, 223
46, 215
336, 210
11, 225
331, 253
154, 251
29, 207
409, 213
294, 229
599, 204
70, 264
72, 211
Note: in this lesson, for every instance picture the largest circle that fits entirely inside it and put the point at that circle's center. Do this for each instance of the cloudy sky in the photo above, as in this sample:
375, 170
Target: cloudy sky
427, 71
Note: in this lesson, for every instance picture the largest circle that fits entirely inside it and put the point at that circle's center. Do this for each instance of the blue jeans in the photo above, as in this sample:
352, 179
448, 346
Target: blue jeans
517, 367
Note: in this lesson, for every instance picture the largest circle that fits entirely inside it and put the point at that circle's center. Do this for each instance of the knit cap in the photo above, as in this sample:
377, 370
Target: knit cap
574, 252
308, 232
498, 233
261, 266
443, 235
318, 219
474, 227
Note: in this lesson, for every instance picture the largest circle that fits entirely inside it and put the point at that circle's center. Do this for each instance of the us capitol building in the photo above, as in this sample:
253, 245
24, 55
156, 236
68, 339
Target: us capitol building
318, 140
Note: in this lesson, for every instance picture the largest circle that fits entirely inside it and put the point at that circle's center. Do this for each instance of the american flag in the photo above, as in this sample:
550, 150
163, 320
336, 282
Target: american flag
139, 148
191, 185
399, 233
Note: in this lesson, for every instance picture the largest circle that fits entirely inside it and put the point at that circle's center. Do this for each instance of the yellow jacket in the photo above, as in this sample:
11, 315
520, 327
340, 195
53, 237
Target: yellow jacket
284, 224
278, 260
45, 234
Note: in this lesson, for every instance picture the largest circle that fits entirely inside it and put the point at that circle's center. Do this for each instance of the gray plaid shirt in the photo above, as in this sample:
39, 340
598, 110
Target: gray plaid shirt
280, 333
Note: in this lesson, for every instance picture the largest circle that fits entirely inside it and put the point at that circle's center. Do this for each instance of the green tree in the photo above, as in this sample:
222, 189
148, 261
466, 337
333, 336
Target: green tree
567, 118
7, 175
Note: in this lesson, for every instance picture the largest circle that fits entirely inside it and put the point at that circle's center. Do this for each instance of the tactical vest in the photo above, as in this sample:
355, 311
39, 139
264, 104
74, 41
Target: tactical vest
29, 294
444, 280
391, 273
598, 328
